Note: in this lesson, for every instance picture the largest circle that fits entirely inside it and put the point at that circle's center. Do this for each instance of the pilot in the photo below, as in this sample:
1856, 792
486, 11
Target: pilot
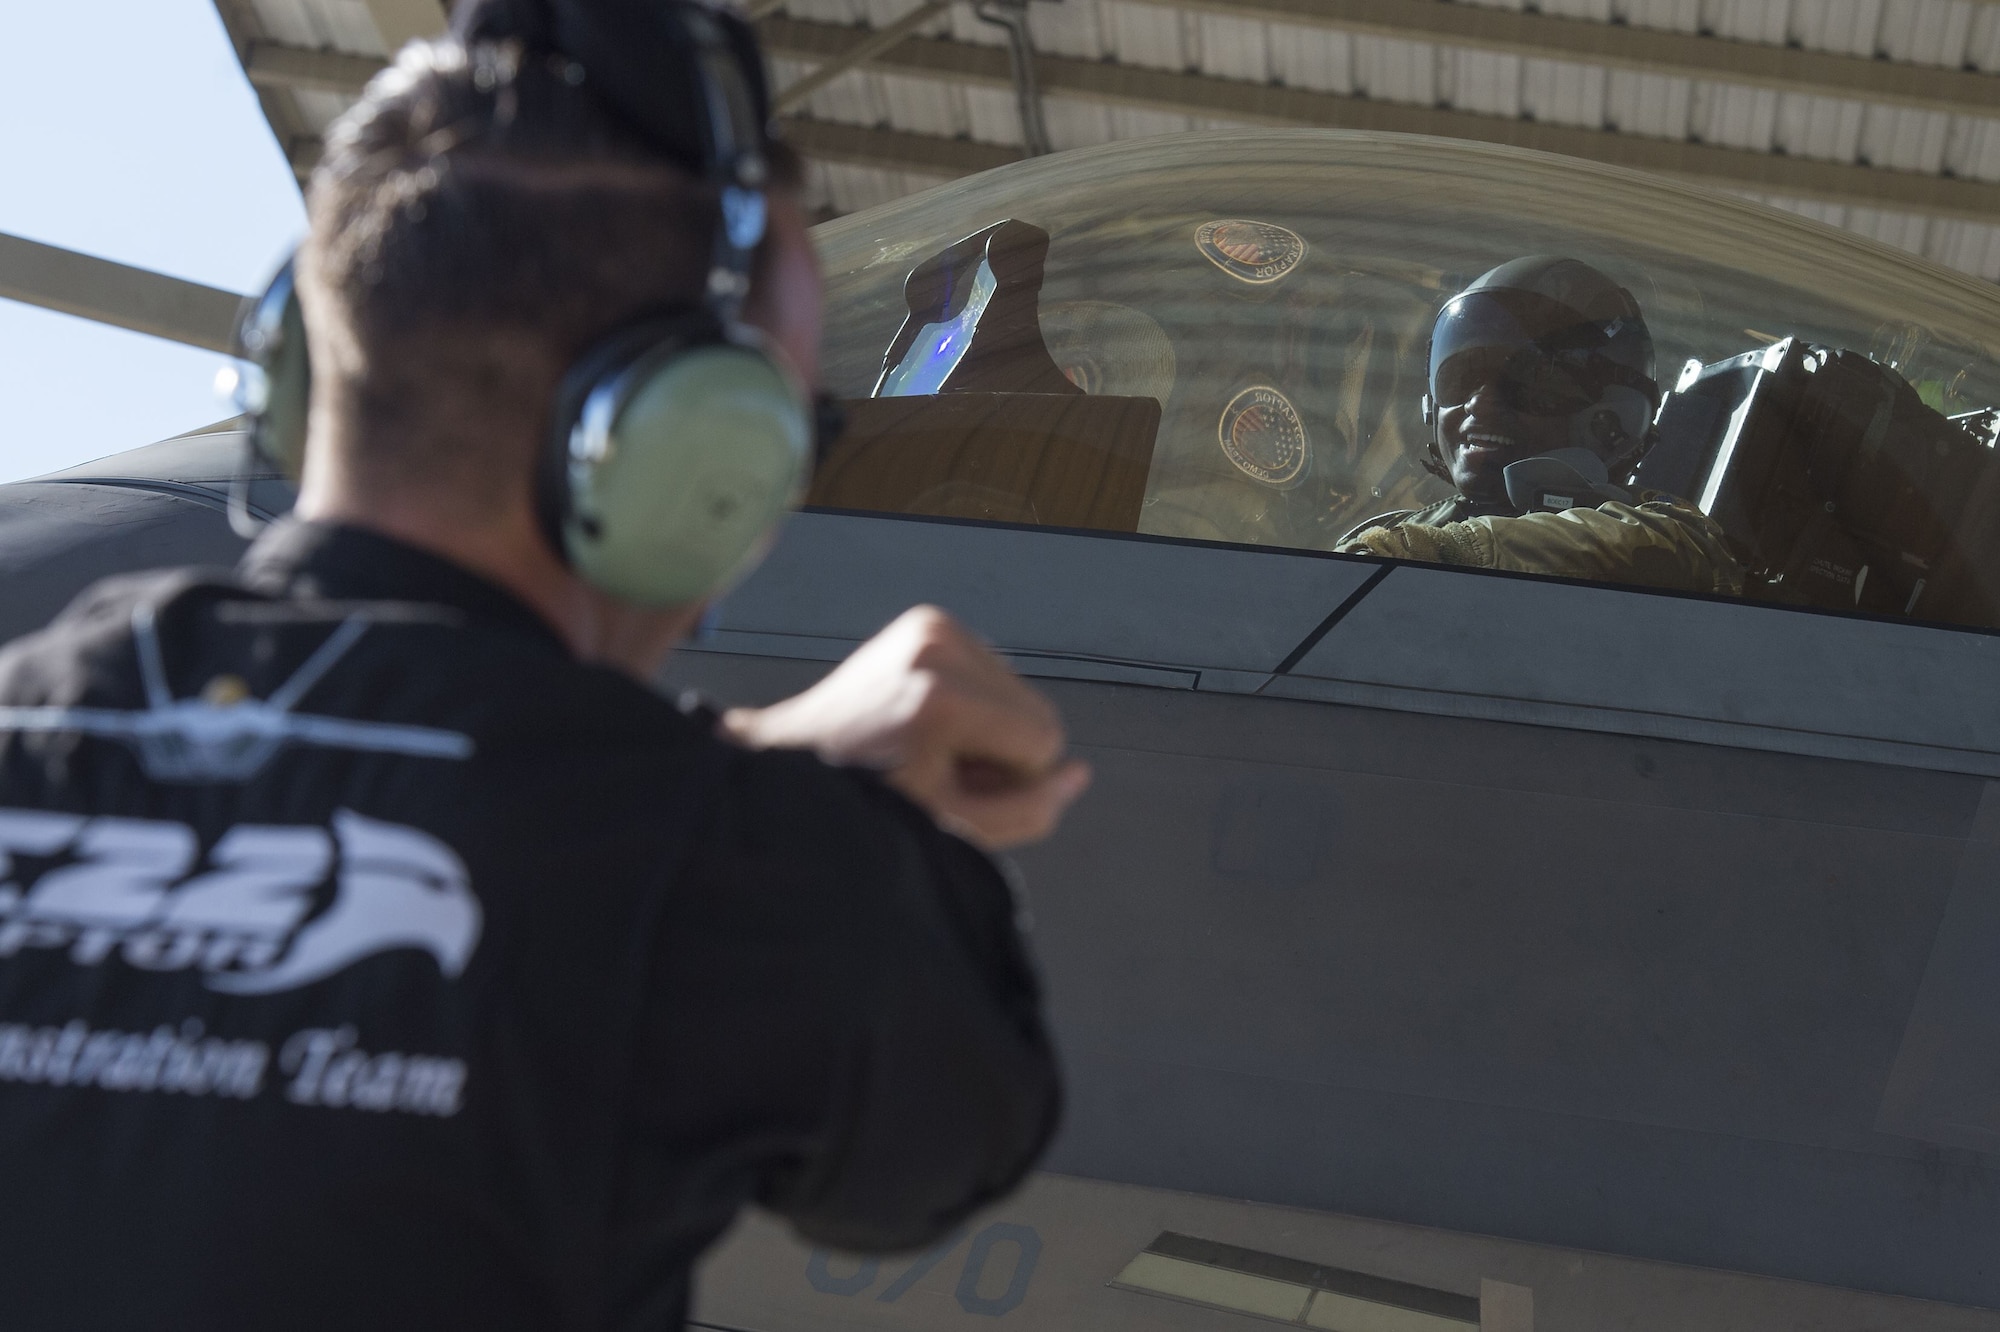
377, 949
1547, 359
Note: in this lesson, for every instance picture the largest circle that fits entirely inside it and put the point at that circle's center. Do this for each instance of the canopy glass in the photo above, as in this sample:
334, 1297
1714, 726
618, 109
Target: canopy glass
1273, 295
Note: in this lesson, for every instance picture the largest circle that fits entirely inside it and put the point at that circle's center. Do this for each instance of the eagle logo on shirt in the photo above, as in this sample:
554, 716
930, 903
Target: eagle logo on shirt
269, 908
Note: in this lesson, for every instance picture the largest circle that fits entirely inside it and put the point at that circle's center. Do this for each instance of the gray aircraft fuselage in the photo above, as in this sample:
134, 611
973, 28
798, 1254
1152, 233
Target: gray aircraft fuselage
1623, 957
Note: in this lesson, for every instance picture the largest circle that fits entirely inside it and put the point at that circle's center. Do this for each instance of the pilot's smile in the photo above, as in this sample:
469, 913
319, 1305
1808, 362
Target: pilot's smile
1484, 434
1480, 441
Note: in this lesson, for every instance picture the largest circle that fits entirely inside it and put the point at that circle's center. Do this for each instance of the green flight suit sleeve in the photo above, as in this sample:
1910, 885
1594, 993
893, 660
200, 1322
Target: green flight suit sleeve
1659, 542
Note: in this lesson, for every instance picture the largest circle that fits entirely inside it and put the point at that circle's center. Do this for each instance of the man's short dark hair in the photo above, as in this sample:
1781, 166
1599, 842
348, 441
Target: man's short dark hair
478, 219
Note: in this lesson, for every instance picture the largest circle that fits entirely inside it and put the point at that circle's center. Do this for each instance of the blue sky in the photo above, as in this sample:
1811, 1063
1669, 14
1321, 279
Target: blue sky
127, 130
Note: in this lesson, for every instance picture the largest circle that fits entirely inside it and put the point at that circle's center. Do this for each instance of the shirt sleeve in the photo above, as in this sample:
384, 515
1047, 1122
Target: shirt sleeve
1657, 543
851, 1005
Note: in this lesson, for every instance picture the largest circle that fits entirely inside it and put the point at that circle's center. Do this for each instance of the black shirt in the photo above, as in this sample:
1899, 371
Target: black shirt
365, 960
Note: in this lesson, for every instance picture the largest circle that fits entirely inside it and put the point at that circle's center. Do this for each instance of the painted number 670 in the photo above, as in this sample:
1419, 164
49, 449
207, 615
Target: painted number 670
1027, 1246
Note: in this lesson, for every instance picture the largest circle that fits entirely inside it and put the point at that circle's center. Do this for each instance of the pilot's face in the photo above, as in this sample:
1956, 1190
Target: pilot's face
1483, 434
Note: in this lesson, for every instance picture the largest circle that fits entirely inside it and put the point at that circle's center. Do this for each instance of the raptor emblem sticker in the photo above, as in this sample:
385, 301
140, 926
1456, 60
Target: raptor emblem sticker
269, 907
1259, 253
1262, 434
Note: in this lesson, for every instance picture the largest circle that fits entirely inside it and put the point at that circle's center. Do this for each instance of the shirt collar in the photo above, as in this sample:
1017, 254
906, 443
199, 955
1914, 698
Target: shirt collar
336, 562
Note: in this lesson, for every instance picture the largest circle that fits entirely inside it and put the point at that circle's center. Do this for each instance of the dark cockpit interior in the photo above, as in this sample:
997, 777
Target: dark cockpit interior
1837, 483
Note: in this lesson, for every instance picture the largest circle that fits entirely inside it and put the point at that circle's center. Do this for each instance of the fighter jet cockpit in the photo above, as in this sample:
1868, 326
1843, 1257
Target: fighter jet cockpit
1312, 341
1533, 628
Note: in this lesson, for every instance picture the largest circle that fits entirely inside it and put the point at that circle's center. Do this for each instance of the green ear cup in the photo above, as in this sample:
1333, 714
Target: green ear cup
679, 494
273, 335
281, 426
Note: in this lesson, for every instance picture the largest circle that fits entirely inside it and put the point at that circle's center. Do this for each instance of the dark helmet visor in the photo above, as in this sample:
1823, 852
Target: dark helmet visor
1543, 357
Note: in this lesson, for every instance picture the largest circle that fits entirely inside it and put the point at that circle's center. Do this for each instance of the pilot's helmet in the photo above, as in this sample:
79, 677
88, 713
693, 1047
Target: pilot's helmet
1557, 338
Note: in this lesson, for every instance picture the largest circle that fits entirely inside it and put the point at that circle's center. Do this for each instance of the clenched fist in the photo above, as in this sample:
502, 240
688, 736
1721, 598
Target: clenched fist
945, 721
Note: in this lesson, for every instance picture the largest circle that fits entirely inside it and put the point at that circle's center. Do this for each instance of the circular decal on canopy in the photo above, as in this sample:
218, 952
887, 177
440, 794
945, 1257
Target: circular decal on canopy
1255, 252
1262, 434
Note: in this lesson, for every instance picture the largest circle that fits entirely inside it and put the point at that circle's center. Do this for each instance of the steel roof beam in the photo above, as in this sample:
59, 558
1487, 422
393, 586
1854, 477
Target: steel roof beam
400, 21
879, 40
834, 141
1204, 95
281, 109
111, 293
896, 150
274, 65
1472, 27
1623, 46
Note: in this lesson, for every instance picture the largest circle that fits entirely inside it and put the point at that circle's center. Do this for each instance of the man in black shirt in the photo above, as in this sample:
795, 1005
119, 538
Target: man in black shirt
376, 950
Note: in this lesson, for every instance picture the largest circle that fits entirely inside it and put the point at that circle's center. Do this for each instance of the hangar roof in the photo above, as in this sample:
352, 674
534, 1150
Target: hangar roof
1881, 116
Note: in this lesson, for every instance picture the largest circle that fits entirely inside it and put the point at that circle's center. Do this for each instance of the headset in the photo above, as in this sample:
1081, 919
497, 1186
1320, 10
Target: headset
676, 444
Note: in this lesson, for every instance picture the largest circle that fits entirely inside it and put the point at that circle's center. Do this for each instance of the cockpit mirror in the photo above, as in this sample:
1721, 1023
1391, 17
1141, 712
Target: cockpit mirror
971, 417
972, 325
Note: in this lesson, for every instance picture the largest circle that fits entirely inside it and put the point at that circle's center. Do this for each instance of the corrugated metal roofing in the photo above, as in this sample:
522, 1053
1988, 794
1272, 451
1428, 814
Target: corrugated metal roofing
340, 25
1949, 34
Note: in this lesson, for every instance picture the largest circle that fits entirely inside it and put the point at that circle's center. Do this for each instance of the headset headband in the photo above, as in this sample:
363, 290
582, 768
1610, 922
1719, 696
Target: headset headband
720, 97
736, 163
